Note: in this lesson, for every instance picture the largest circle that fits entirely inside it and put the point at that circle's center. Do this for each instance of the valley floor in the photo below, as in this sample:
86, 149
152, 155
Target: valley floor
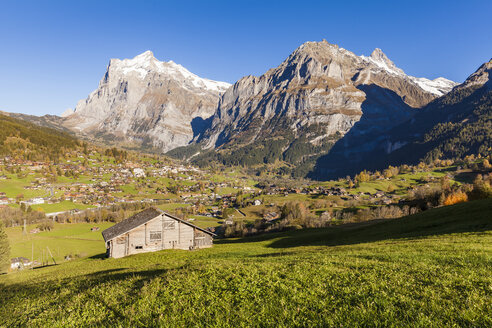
427, 270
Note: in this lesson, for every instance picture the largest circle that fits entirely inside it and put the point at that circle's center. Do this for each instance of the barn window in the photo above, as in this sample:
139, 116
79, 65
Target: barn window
138, 247
169, 225
155, 236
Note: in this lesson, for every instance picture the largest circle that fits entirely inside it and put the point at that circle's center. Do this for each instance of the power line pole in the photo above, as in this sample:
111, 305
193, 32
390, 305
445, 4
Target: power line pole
51, 255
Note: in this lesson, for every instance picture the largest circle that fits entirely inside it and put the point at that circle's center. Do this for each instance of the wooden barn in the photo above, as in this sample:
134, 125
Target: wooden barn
153, 230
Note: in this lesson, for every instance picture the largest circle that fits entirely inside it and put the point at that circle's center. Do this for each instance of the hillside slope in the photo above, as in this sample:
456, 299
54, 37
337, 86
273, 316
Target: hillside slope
25, 140
427, 270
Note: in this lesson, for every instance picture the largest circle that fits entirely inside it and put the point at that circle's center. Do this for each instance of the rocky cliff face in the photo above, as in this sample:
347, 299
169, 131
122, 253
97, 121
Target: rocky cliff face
454, 125
317, 95
146, 103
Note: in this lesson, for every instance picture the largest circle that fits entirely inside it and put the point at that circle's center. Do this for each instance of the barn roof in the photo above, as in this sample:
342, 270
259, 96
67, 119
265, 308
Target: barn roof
130, 223
139, 219
19, 259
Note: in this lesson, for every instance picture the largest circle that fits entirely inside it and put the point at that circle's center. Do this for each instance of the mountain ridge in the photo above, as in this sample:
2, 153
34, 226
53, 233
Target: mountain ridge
316, 95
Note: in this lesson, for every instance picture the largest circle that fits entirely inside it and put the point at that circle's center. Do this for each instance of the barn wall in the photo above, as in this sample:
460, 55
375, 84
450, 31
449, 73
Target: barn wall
118, 246
174, 235
202, 239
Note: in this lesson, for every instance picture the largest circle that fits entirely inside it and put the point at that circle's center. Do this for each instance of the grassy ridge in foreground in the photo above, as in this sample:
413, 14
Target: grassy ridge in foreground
430, 269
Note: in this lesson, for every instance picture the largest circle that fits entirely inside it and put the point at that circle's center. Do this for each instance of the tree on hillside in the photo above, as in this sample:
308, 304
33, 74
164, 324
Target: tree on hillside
4, 249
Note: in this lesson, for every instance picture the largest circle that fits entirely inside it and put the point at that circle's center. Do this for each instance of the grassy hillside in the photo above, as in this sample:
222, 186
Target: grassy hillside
65, 239
25, 140
427, 270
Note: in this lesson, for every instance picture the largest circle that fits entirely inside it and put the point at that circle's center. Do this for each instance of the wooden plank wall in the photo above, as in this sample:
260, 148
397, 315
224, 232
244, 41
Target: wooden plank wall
174, 235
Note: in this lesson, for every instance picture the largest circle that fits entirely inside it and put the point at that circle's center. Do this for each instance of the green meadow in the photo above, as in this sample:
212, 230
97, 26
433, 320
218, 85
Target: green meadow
75, 239
427, 270
60, 207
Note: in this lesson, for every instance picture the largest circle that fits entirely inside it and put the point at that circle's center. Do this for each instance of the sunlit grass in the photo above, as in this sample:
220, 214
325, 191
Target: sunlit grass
428, 270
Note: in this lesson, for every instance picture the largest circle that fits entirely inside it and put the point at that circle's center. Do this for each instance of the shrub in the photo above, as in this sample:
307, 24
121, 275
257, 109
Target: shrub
46, 225
454, 198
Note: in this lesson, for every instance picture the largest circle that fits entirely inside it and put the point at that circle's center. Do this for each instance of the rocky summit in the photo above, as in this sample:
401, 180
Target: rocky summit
145, 103
313, 98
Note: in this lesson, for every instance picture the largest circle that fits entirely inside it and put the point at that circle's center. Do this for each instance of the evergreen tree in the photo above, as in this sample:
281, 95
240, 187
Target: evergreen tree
4, 249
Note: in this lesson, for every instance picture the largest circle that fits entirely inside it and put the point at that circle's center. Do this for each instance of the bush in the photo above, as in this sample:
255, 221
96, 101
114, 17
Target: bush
454, 198
46, 225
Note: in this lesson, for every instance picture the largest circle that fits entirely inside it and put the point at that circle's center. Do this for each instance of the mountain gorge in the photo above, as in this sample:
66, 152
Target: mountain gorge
147, 104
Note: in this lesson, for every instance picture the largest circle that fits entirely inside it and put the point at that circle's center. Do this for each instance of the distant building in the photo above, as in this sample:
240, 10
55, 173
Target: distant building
19, 263
33, 201
139, 173
153, 230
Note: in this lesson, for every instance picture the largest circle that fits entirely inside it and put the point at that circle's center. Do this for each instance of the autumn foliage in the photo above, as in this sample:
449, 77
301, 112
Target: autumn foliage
456, 197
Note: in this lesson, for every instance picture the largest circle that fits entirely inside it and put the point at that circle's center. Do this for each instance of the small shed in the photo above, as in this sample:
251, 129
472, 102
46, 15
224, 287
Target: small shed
19, 263
153, 230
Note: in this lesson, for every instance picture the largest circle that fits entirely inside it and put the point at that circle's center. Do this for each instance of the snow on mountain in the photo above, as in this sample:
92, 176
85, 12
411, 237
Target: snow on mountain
146, 62
146, 103
379, 59
438, 87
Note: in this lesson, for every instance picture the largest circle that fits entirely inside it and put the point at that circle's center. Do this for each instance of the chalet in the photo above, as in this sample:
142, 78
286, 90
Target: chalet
19, 262
153, 230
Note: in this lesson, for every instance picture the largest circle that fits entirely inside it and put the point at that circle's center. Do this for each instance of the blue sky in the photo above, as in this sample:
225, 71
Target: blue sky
53, 54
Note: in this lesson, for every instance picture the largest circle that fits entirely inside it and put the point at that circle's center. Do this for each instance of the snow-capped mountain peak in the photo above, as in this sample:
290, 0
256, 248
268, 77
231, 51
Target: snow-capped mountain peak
146, 63
146, 101
439, 86
379, 58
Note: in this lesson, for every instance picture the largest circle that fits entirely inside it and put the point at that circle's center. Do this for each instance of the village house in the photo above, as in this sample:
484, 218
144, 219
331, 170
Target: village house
33, 201
19, 263
4, 200
153, 230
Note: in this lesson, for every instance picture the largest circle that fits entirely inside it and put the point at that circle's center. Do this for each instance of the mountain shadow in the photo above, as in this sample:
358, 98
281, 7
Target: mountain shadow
199, 125
382, 110
452, 126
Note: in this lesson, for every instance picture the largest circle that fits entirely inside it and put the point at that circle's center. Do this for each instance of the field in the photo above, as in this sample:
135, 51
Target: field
60, 207
65, 239
427, 270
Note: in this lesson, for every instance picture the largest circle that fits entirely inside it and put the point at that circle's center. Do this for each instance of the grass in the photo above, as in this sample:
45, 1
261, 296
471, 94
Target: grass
427, 270
60, 207
64, 239
172, 206
205, 221
15, 186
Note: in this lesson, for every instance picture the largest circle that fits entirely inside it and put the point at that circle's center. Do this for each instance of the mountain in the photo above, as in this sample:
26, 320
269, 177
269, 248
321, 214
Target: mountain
145, 103
47, 121
298, 110
21, 139
452, 126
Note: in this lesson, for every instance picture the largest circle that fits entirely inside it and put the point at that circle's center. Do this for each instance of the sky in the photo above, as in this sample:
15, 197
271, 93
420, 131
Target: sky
54, 53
